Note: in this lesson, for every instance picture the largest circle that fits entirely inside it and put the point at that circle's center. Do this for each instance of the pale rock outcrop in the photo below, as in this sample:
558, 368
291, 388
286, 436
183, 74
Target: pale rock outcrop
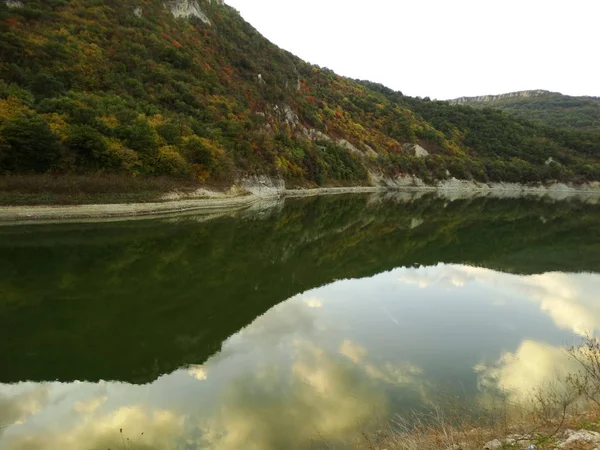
492, 98
369, 151
493, 445
415, 222
287, 114
576, 439
416, 150
14, 4
513, 442
348, 146
137, 12
569, 439
315, 135
403, 181
187, 9
263, 186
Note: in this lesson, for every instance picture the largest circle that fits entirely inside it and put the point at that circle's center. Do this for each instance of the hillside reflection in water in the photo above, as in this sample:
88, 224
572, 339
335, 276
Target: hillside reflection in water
321, 366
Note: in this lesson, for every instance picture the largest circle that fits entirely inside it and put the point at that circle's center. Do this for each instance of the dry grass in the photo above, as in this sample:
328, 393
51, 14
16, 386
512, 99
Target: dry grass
440, 431
86, 189
570, 403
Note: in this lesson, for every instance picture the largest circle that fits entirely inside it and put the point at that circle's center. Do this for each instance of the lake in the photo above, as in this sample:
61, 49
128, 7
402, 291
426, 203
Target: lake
292, 325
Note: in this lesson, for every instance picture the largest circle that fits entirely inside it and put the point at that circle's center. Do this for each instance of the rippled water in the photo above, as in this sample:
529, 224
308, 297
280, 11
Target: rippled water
298, 326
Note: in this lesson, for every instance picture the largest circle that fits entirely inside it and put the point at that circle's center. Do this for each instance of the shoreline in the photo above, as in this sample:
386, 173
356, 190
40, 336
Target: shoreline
259, 190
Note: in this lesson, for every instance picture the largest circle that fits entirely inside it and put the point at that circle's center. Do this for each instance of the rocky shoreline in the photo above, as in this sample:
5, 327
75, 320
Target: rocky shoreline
566, 439
256, 190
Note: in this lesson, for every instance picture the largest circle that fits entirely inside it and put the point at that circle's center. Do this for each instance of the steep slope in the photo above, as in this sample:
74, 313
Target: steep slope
187, 88
551, 108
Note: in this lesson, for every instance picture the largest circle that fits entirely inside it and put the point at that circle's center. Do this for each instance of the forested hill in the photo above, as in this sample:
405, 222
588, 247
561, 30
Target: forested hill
551, 108
187, 88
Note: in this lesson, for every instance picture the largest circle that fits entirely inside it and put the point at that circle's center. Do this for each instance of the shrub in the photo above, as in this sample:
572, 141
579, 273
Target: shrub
30, 145
88, 145
169, 162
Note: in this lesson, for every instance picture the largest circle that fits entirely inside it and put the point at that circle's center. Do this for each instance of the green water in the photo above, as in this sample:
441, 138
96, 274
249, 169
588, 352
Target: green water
295, 326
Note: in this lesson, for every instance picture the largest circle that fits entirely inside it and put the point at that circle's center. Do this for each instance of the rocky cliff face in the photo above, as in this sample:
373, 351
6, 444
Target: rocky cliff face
179, 8
492, 98
187, 9
13, 3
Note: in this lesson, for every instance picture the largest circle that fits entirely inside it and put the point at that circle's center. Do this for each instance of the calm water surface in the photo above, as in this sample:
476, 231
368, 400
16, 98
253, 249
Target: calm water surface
296, 326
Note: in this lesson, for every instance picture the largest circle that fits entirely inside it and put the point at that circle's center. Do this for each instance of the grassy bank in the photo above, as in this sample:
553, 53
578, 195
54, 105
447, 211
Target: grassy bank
87, 189
564, 414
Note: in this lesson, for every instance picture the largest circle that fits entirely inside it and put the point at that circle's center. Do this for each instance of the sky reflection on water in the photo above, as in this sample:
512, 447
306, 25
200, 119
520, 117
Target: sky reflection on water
327, 363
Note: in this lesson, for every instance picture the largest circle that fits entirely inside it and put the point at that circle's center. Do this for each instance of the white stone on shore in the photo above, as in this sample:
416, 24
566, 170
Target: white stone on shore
577, 438
493, 445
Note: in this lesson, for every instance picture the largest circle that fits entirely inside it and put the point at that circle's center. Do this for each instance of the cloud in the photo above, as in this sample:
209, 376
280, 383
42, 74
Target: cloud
91, 405
447, 276
326, 395
352, 351
284, 320
16, 409
532, 366
569, 299
281, 326
160, 428
313, 302
322, 396
396, 374
198, 372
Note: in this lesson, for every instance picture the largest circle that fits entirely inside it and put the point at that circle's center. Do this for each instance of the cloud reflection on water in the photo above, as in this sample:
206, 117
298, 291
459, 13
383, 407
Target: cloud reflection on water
326, 363
571, 300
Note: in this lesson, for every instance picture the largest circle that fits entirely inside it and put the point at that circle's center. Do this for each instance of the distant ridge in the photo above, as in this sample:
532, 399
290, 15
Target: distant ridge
550, 108
492, 98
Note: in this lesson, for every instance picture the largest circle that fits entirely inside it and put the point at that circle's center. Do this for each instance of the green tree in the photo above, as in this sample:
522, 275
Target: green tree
141, 136
30, 145
87, 144
170, 132
198, 152
45, 86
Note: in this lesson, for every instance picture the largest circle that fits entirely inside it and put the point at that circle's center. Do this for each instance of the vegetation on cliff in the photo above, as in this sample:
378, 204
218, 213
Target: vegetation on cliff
128, 87
550, 108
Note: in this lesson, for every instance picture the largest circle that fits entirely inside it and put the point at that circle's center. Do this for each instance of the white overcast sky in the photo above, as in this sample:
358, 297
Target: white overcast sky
442, 48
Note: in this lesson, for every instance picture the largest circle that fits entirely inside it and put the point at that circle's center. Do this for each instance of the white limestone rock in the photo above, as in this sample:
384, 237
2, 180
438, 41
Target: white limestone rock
493, 98
14, 4
493, 445
315, 135
186, 9
348, 146
416, 150
369, 151
263, 186
579, 438
287, 114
